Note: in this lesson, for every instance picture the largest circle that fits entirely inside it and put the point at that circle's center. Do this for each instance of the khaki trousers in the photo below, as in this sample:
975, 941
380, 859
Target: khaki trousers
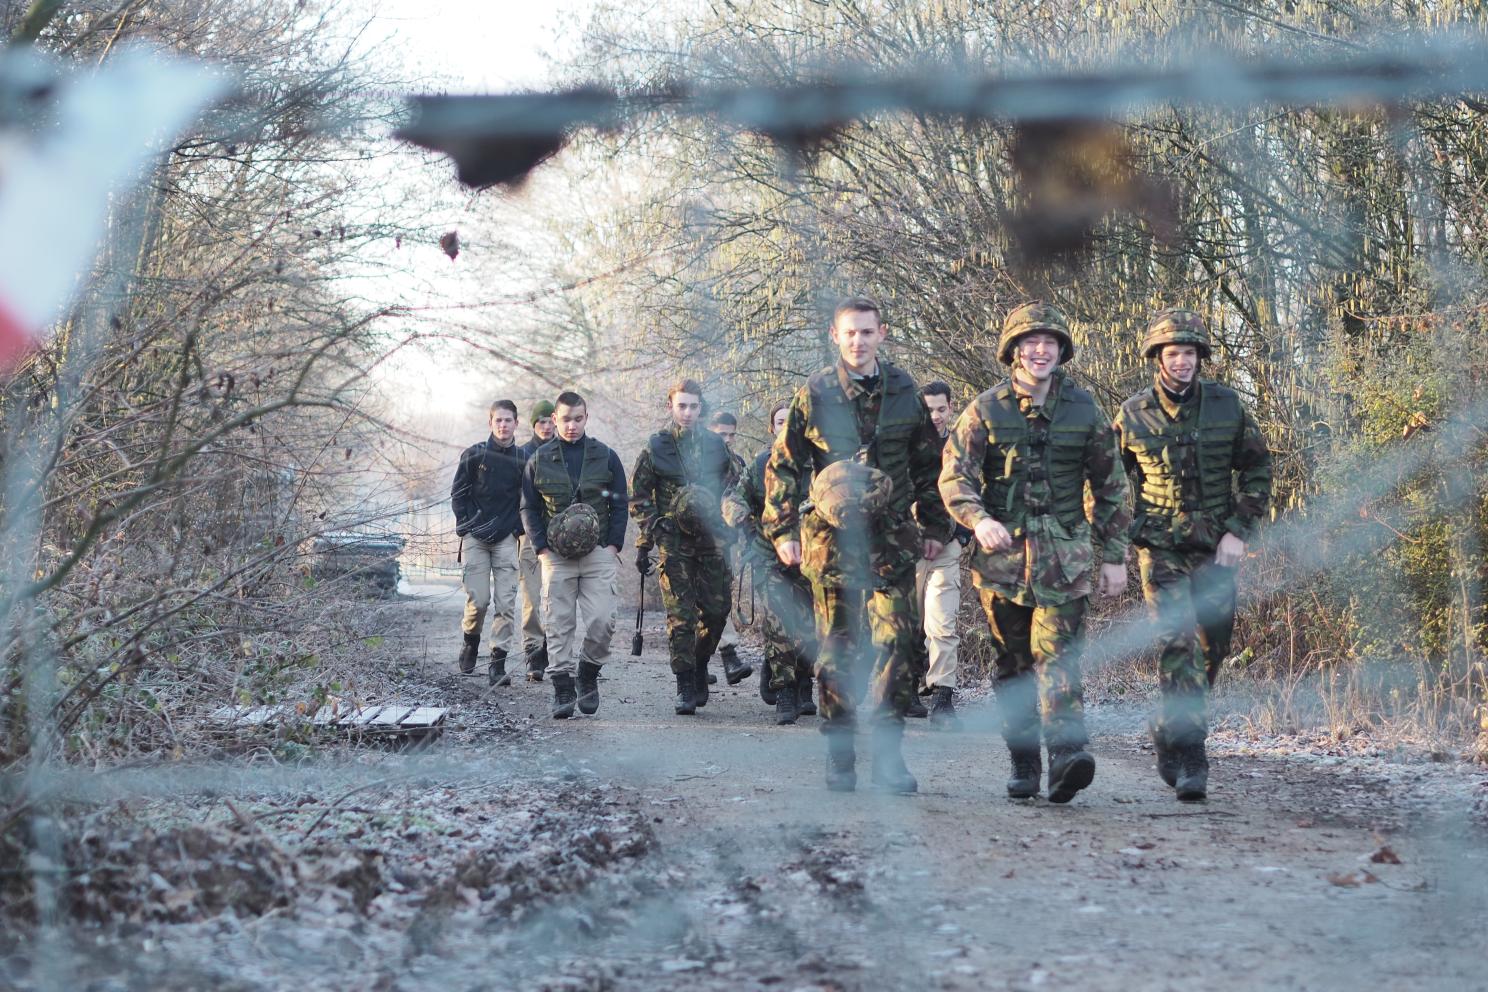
531, 583
490, 573
938, 588
574, 592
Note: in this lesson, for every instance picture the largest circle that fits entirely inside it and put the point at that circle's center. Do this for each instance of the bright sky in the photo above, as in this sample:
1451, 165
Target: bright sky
462, 46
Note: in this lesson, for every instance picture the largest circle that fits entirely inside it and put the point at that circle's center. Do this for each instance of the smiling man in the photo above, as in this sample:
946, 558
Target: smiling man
1015, 470
1201, 474
856, 541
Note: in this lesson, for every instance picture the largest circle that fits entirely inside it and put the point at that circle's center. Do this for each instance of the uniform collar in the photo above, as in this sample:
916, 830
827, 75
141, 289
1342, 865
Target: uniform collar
1051, 401
852, 383
1175, 408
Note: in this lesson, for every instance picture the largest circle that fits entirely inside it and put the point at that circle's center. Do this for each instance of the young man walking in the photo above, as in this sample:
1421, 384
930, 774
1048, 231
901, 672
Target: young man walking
573, 509
859, 425
1015, 470
677, 489
486, 497
726, 426
938, 590
534, 644
1201, 474
786, 622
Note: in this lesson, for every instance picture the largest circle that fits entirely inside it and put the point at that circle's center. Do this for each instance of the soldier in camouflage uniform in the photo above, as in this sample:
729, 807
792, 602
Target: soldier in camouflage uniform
677, 489
863, 409
726, 426
1201, 474
788, 626
1015, 470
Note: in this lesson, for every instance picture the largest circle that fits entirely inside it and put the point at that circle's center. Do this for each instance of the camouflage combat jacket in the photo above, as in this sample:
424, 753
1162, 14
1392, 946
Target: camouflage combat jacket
884, 424
673, 459
744, 506
1026, 467
1199, 467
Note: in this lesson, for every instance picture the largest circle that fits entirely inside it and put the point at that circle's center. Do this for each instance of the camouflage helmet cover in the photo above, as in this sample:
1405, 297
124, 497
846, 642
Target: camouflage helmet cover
848, 493
697, 511
1176, 325
1030, 318
574, 531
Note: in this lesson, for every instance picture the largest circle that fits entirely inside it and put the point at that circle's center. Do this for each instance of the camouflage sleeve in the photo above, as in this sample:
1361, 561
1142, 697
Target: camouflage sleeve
790, 460
924, 472
1128, 458
1110, 520
739, 503
1252, 462
643, 499
961, 469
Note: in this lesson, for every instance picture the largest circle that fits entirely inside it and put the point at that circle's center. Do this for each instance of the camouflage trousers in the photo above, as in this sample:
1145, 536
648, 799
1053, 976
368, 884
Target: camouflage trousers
788, 626
1192, 603
695, 592
867, 639
1038, 658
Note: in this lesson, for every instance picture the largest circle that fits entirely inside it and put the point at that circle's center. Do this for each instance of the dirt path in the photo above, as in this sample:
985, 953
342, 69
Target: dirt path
638, 850
772, 882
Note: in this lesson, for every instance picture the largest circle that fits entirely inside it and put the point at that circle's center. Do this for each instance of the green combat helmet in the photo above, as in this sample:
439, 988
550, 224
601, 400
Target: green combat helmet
1039, 317
1176, 326
574, 531
848, 493
697, 512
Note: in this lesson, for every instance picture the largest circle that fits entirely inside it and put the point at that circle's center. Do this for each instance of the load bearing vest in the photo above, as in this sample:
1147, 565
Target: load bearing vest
1035, 467
551, 480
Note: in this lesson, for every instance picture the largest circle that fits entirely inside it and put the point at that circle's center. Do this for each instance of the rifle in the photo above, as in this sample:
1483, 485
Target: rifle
636, 643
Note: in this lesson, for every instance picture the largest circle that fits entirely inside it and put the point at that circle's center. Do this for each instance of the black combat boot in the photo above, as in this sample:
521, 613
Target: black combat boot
496, 670
1028, 769
1071, 768
916, 709
588, 687
767, 691
785, 708
943, 708
469, 653
537, 663
889, 772
1167, 756
564, 696
841, 775
700, 682
686, 704
734, 670
1193, 772
805, 704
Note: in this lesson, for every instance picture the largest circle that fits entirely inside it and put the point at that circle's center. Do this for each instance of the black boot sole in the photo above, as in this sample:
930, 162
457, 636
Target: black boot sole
1078, 774
563, 713
783, 719
589, 705
1193, 794
1022, 793
739, 674
499, 680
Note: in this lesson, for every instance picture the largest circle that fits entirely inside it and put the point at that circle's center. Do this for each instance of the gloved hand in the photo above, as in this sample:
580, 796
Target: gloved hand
643, 562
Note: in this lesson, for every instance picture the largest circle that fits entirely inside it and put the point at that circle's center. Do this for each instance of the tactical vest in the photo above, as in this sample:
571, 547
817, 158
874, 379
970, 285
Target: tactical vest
1166, 451
709, 468
834, 433
550, 479
1020, 452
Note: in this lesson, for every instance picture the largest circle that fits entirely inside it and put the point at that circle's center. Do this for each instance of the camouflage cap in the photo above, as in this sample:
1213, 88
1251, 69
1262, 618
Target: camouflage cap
697, 512
1176, 325
574, 531
848, 493
1036, 317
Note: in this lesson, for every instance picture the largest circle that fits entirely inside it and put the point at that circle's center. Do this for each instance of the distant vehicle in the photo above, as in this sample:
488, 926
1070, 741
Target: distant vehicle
369, 560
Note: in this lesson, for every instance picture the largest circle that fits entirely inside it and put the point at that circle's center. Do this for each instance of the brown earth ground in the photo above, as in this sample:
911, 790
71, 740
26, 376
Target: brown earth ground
641, 850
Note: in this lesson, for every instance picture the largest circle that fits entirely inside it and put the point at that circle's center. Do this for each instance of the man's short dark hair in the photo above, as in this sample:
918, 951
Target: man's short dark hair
501, 405
936, 388
723, 419
570, 398
857, 304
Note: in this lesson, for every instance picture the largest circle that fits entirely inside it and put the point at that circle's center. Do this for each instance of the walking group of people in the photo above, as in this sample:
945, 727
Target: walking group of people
853, 523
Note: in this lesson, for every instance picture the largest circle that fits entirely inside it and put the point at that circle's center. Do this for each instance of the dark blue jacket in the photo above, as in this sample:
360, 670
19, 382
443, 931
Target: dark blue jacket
487, 492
